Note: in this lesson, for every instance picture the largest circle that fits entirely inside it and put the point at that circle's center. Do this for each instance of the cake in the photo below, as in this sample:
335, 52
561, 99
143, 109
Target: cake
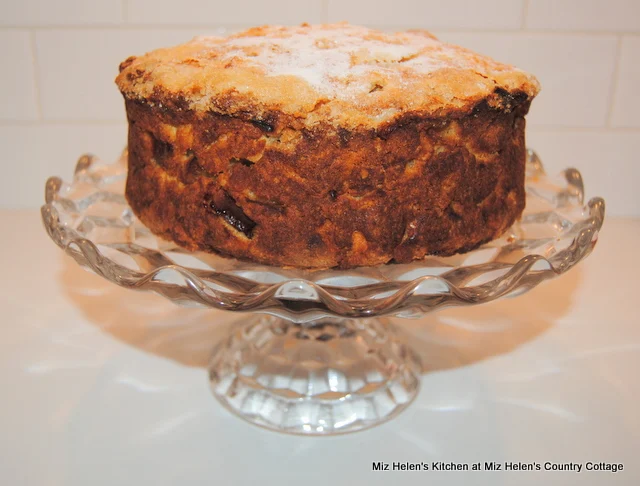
325, 146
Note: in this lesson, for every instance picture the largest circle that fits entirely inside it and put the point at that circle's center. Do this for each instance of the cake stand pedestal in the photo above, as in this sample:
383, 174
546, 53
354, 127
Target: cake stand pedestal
326, 376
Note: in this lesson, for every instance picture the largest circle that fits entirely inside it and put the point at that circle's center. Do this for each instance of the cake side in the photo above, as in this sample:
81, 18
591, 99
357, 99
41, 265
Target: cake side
279, 192
342, 75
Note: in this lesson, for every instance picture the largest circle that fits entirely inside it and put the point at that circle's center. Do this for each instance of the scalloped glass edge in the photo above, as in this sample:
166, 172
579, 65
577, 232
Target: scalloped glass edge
91, 221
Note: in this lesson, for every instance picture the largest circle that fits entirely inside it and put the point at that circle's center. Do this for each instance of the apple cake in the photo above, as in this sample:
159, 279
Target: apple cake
325, 146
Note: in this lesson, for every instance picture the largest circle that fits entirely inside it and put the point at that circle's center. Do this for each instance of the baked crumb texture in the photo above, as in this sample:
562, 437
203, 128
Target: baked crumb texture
325, 146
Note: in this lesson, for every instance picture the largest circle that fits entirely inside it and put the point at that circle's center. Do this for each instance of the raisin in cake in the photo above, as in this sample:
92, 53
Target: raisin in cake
325, 146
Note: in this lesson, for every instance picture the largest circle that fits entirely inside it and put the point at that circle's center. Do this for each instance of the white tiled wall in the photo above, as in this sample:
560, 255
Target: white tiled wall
235, 12
432, 14
60, 58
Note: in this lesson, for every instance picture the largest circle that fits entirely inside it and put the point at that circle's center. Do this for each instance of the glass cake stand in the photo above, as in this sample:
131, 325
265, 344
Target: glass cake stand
317, 355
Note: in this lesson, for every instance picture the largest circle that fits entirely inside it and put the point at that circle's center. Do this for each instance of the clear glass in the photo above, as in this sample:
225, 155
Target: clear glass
318, 357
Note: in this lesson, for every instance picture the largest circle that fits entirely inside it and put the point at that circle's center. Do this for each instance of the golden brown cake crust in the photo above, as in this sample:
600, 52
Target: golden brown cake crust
282, 170
337, 74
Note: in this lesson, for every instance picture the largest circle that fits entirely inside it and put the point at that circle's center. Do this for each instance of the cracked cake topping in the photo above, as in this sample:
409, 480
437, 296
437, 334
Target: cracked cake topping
341, 74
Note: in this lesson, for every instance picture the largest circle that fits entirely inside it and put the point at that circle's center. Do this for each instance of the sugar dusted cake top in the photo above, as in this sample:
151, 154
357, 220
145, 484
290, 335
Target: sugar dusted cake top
341, 74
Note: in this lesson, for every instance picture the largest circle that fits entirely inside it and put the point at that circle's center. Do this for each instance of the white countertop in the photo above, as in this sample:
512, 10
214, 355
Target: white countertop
106, 386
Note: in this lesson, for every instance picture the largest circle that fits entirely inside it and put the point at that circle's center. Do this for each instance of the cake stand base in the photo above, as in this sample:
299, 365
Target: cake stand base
326, 377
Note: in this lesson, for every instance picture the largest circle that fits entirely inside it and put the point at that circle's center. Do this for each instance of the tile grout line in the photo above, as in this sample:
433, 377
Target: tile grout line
453, 30
525, 12
541, 32
613, 91
565, 129
36, 73
121, 26
59, 122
